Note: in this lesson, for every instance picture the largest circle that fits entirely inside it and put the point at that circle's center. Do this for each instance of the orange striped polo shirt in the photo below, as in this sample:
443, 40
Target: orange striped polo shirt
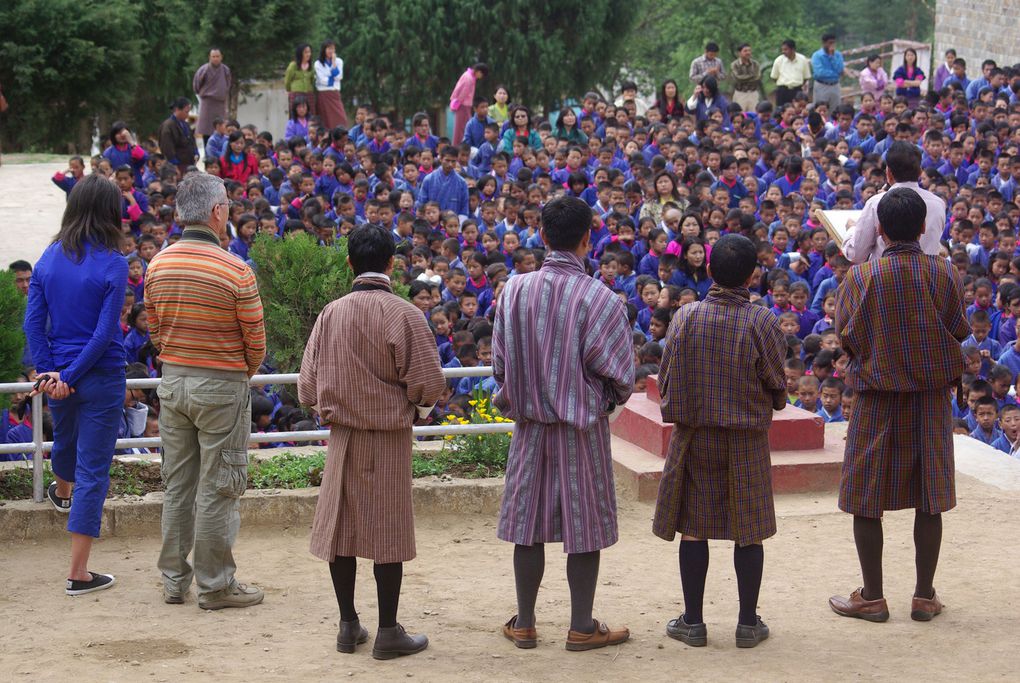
204, 306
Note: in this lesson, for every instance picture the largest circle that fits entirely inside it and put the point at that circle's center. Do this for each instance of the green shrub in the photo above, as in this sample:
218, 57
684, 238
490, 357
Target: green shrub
12, 339
297, 278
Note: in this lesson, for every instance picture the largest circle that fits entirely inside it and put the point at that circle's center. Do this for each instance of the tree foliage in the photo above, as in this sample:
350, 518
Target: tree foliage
61, 63
407, 55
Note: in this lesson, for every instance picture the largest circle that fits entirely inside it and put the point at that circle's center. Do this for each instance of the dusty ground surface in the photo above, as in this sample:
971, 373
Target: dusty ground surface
460, 589
30, 205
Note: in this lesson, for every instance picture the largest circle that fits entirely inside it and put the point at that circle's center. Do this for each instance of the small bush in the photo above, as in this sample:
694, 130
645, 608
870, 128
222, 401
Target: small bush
12, 339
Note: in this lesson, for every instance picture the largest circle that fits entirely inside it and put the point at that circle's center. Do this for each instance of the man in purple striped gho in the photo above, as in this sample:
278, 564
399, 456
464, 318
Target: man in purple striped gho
562, 355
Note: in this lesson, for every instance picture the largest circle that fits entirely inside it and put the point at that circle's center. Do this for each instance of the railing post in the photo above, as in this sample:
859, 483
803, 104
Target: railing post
37, 453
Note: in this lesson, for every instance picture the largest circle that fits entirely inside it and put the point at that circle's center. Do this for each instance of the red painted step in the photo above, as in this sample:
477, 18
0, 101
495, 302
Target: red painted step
640, 423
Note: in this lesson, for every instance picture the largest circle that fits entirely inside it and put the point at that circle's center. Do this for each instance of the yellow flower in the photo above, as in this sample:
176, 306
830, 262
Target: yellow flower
472, 403
448, 437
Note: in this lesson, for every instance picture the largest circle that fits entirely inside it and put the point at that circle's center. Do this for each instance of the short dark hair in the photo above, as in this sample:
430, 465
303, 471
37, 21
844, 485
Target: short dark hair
733, 260
565, 221
370, 248
20, 266
901, 213
826, 37
711, 47
904, 162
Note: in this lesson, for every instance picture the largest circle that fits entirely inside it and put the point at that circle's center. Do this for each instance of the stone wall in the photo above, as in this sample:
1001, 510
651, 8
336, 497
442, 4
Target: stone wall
978, 30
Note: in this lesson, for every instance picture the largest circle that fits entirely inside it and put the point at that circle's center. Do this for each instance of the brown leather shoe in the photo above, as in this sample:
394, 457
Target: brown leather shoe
856, 606
922, 609
524, 638
600, 637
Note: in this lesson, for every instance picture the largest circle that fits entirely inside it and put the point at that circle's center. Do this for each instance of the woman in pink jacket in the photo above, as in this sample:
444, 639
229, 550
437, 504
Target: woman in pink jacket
873, 78
462, 97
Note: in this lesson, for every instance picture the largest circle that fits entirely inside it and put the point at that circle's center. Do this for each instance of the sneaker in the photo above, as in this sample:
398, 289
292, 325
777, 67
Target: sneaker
99, 582
60, 504
749, 636
171, 598
695, 635
237, 595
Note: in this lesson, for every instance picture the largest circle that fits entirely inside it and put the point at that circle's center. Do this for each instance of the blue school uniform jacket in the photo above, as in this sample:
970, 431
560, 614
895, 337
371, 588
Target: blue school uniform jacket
987, 437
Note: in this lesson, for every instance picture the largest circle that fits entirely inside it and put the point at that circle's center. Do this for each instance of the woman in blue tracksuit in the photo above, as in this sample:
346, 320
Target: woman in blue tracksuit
73, 330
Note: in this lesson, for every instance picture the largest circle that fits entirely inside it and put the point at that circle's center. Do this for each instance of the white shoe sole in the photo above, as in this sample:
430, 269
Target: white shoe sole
83, 591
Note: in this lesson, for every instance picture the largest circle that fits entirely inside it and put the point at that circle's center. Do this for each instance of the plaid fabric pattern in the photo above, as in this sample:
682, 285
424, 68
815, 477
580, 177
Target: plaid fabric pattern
899, 454
901, 319
717, 483
722, 364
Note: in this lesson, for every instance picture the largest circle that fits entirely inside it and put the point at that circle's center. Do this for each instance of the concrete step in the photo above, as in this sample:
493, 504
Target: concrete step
638, 471
641, 424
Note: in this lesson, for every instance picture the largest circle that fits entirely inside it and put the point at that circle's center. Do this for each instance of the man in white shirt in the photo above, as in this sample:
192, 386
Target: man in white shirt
791, 71
902, 169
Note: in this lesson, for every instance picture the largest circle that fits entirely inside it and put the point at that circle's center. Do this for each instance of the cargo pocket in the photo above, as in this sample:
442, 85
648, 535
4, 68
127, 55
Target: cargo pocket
232, 479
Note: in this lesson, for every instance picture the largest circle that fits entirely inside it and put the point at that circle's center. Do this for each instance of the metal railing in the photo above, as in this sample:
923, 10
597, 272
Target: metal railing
38, 447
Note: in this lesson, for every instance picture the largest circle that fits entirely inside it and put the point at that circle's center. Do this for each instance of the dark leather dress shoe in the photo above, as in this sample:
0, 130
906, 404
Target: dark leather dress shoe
859, 608
351, 634
923, 609
394, 641
524, 638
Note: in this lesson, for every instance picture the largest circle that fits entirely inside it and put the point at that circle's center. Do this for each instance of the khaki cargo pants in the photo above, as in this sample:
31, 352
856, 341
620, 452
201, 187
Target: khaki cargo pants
205, 422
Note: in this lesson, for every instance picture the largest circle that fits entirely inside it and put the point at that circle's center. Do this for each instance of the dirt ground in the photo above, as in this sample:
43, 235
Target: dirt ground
460, 589
30, 205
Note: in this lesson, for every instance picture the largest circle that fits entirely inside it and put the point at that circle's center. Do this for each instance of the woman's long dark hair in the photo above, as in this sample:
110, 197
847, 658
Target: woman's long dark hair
322, 51
710, 87
92, 217
664, 101
700, 273
299, 54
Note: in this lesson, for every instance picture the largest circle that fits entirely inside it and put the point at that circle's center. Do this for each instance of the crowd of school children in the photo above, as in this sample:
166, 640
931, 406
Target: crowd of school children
664, 183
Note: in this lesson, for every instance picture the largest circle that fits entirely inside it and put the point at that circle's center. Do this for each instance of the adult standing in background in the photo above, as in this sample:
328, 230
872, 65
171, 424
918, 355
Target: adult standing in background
707, 64
176, 141
72, 325
827, 67
329, 72
909, 77
205, 320
212, 84
299, 79
707, 97
746, 75
945, 70
873, 78
370, 368
791, 71
463, 97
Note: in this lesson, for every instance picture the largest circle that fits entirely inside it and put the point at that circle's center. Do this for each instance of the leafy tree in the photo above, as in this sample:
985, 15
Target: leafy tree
12, 340
61, 63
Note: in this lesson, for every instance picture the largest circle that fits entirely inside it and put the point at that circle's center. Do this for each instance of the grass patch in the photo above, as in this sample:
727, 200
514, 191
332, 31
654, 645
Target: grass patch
285, 471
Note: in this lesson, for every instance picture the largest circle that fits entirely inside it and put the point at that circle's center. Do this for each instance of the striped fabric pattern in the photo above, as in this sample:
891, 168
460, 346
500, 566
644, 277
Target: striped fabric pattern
901, 319
204, 306
722, 363
369, 361
562, 353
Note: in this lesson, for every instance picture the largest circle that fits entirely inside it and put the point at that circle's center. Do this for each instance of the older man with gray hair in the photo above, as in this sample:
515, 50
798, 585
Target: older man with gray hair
205, 319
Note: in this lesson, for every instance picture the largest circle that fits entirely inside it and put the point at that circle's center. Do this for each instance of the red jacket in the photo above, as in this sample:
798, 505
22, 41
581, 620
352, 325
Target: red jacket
239, 172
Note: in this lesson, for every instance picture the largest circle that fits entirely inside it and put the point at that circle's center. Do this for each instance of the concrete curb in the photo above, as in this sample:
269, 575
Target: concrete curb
132, 515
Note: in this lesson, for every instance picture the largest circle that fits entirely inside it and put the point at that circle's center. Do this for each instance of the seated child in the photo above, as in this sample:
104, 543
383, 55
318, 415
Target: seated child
1009, 421
985, 414
807, 394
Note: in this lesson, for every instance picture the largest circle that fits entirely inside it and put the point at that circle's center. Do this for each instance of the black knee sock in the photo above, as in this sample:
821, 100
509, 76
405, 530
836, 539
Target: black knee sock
868, 537
927, 542
387, 586
344, 571
529, 567
582, 577
748, 562
693, 570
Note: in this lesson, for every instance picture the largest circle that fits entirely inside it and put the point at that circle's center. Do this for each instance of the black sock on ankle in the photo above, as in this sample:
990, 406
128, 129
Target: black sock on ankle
869, 539
927, 543
693, 571
582, 578
344, 571
388, 578
529, 567
748, 561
